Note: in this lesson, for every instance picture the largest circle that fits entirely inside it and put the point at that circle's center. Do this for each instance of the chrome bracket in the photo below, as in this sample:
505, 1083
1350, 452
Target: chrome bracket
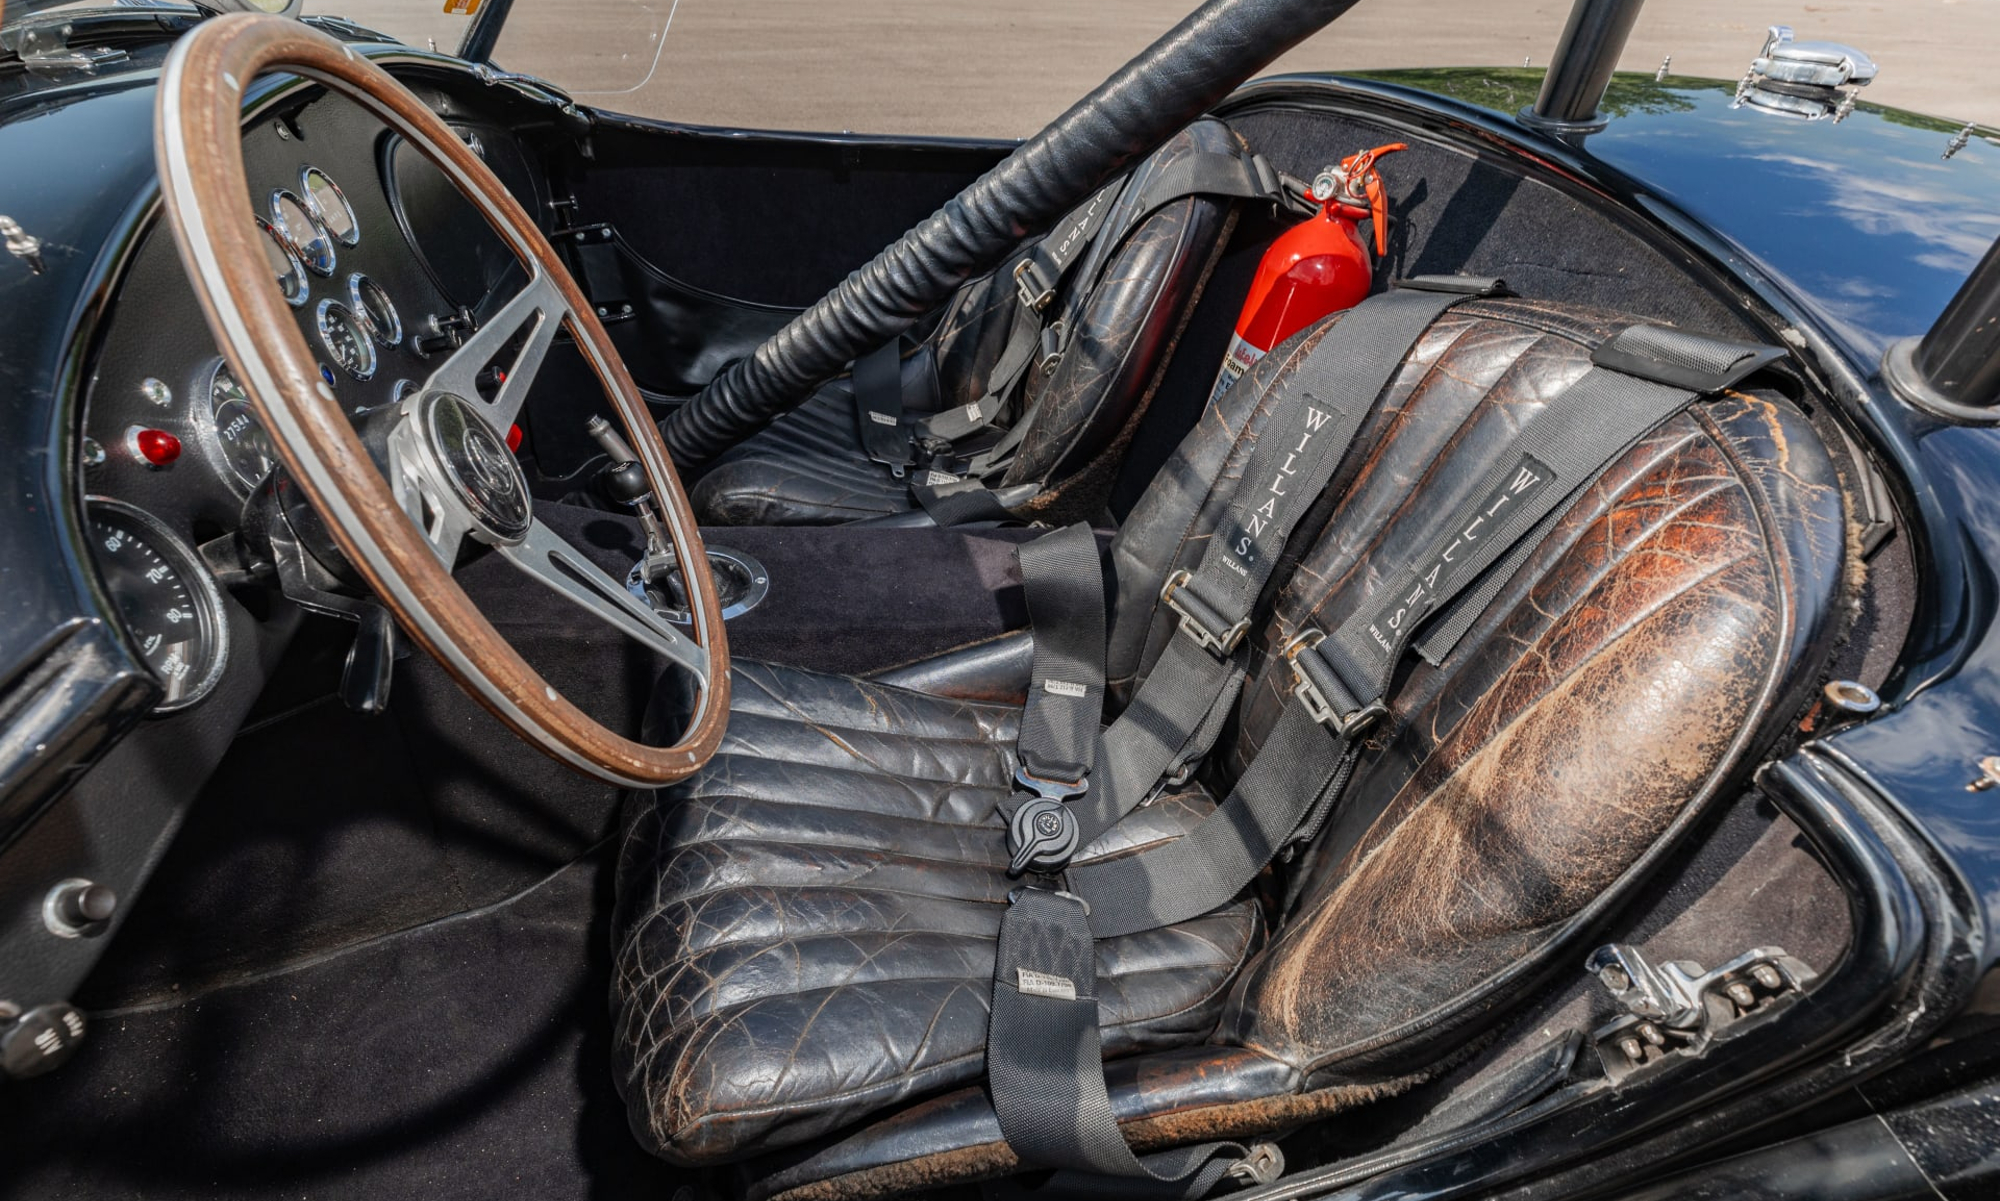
1677, 1010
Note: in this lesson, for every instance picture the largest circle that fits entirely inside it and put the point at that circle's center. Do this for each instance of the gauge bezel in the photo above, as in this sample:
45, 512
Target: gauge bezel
207, 595
297, 288
389, 337
299, 248
209, 434
361, 326
310, 199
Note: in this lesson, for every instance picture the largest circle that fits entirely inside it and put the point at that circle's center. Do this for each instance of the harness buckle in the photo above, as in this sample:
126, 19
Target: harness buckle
1035, 291
1041, 835
1221, 645
1318, 707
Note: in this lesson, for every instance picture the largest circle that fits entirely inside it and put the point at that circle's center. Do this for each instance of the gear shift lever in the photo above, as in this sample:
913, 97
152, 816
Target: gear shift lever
624, 481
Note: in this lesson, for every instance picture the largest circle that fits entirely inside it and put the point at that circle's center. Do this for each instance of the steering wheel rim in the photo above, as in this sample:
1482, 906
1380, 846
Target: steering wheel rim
440, 466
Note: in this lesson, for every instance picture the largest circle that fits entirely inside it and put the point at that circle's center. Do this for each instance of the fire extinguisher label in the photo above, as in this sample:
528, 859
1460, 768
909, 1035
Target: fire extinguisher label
1242, 357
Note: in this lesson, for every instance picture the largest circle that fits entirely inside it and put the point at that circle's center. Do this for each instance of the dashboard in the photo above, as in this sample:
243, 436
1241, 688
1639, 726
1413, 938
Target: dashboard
385, 267
143, 638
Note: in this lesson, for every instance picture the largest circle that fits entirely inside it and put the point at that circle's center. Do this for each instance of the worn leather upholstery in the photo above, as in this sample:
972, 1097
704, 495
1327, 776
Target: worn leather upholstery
1676, 615
809, 468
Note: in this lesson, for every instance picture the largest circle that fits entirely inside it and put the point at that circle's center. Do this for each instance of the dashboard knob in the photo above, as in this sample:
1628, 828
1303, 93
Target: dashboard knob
79, 908
40, 1040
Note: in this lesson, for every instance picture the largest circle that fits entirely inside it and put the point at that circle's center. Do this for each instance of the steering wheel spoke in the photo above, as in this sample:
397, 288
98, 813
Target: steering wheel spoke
423, 499
530, 319
547, 557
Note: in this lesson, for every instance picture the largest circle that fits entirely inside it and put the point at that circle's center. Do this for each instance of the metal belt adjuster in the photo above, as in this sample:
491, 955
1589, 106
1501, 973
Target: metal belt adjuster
1318, 707
1035, 292
1223, 644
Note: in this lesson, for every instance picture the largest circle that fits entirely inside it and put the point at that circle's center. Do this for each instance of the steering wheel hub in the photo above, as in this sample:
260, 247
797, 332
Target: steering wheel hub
469, 456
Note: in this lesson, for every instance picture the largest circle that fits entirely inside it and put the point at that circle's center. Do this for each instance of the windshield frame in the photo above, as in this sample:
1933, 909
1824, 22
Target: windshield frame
476, 46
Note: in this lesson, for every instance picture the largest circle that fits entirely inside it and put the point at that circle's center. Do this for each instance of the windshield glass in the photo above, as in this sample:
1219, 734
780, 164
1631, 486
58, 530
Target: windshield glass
975, 68
590, 48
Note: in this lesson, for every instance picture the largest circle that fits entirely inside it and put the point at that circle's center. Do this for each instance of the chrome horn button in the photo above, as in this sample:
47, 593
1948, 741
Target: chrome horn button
483, 473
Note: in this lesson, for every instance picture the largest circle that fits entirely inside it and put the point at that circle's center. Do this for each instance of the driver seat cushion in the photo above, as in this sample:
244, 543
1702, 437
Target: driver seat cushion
806, 928
1665, 629
809, 466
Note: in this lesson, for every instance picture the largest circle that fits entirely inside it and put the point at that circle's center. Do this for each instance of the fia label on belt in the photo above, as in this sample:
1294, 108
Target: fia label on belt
1064, 688
1042, 984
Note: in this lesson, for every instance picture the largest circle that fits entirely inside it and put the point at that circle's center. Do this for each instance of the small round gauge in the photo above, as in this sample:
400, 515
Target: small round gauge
167, 599
329, 206
241, 445
371, 300
294, 220
285, 265
346, 338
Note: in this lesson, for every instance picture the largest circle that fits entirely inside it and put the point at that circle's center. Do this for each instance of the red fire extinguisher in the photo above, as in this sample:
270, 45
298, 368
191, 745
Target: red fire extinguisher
1317, 267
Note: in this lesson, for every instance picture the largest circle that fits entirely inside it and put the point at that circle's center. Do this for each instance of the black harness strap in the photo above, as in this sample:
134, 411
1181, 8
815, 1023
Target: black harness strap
1044, 1062
1179, 710
1057, 746
1348, 671
878, 408
1044, 1057
1300, 772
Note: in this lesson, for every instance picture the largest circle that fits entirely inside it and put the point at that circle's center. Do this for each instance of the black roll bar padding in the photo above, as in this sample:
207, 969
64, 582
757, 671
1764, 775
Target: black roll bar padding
1145, 102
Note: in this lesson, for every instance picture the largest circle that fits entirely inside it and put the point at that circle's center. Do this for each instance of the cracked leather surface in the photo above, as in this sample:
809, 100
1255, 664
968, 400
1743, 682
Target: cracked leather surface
1682, 603
809, 468
806, 929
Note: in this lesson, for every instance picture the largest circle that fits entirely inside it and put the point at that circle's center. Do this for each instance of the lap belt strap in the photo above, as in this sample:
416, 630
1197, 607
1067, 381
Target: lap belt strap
878, 408
1045, 1064
1179, 710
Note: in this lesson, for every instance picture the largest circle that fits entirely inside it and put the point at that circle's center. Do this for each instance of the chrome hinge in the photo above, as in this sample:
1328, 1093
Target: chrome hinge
1676, 1010
44, 49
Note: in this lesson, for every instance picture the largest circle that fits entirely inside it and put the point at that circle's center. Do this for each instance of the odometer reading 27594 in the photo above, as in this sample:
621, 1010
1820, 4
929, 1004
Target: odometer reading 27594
168, 601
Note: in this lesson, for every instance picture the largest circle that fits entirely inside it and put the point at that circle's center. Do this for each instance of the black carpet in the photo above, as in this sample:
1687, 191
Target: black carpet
462, 1058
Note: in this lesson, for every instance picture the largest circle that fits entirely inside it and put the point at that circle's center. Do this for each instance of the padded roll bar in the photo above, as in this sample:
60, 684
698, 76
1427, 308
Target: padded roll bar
1585, 57
1170, 83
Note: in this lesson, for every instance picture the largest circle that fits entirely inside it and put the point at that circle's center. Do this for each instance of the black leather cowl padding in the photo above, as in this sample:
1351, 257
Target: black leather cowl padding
1145, 102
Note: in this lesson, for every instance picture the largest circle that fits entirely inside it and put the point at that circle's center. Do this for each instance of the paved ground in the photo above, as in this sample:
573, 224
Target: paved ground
1005, 67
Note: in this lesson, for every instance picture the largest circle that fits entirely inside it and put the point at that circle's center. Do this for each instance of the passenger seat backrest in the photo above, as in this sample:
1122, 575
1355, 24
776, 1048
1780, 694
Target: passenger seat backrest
1681, 606
1146, 285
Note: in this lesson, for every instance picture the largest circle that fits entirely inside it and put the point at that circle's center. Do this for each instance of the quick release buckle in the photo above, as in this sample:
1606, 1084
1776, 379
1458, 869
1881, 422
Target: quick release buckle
1035, 291
1318, 707
1221, 645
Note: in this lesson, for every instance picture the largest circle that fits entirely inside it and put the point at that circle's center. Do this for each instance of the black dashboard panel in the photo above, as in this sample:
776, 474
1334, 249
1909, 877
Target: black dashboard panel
143, 424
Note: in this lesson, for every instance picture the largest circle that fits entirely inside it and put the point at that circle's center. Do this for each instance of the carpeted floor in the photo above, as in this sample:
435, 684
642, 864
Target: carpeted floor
465, 1057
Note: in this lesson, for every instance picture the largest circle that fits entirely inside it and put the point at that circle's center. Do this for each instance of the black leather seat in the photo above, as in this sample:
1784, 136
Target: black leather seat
805, 930
809, 467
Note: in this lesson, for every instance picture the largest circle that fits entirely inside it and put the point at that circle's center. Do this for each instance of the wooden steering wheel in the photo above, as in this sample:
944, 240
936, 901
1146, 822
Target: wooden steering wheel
445, 473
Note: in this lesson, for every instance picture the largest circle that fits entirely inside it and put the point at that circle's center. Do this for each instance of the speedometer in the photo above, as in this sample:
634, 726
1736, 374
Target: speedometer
168, 601
346, 338
241, 446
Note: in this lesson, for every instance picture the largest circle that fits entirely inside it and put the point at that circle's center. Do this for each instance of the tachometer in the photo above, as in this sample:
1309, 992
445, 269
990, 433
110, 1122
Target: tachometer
241, 446
346, 338
168, 601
